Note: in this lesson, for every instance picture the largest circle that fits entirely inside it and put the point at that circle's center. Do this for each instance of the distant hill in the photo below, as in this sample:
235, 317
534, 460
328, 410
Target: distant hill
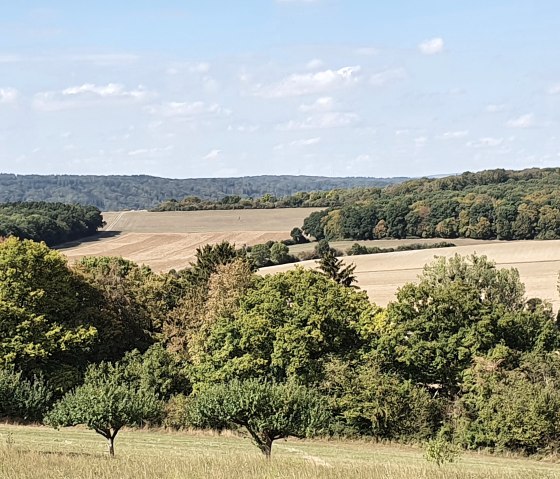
144, 192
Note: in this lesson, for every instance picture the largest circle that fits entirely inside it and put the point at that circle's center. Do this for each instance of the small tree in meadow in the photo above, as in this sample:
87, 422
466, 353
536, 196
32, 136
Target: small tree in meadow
267, 411
106, 404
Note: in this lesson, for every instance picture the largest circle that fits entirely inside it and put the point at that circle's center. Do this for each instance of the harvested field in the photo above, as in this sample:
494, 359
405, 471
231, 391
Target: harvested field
381, 275
169, 240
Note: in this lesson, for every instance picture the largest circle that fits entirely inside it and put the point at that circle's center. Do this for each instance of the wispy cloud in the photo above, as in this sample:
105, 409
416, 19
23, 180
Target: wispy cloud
213, 155
523, 121
486, 142
322, 121
453, 135
554, 89
431, 46
8, 95
86, 95
324, 103
188, 109
387, 76
109, 90
310, 83
494, 108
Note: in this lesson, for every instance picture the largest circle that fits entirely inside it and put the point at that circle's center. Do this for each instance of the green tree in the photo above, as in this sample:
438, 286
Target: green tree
331, 266
297, 236
286, 326
280, 253
460, 309
267, 411
46, 311
106, 403
260, 255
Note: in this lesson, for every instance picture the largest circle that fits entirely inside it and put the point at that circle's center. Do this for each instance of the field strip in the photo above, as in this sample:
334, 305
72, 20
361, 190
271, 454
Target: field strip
114, 222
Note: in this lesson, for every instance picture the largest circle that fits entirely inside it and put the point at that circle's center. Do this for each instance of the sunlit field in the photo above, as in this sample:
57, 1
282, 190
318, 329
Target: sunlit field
39, 452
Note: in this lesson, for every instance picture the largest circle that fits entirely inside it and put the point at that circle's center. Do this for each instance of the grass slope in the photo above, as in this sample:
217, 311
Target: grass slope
37, 452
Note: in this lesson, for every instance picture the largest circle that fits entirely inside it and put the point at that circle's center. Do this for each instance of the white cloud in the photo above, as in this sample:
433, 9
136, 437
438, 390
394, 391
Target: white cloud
87, 95
188, 110
150, 151
213, 155
298, 1
314, 64
554, 89
495, 108
310, 83
109, 90
420, 141
306, 141
322, 121
387, 76
453, 135
244, 128
486, 142
431, 46
325, 103
8, 95
523, 121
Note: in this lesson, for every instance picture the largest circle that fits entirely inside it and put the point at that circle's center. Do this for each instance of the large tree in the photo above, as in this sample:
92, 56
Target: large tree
286, 326
460, 309
267, 411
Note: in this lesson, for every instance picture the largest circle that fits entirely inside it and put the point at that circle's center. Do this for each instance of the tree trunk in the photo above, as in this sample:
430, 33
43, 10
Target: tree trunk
265, 446
111, 444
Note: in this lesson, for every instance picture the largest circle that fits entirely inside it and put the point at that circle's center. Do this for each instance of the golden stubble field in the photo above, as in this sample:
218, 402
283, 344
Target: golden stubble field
538, 263
169, 240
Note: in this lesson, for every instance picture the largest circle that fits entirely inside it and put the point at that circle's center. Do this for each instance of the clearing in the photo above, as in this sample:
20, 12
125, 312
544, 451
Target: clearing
28, 452
168, 240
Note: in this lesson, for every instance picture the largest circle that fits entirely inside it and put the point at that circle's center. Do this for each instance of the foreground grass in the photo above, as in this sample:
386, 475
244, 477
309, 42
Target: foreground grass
36, 452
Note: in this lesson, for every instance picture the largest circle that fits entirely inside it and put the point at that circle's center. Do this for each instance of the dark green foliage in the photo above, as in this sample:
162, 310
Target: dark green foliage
489, 204
111, 193
267, 411
106, 402
459, 310
369, 402
358, 249
332, 267
23, 399
297, 236
286, 326
52, 223
516, 410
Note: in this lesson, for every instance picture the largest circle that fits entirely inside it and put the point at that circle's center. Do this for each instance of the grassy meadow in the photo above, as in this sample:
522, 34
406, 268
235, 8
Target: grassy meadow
28, 452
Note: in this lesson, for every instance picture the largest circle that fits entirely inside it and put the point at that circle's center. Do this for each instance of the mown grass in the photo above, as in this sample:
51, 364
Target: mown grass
37, 452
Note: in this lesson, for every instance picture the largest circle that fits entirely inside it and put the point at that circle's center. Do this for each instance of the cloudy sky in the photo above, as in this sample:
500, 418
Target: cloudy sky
191, 88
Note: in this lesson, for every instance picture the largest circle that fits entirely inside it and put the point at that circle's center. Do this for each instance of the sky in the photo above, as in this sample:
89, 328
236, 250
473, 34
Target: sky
185, 88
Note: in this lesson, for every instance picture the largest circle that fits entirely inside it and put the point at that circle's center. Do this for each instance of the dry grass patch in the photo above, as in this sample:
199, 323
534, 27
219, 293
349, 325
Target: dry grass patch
77, 453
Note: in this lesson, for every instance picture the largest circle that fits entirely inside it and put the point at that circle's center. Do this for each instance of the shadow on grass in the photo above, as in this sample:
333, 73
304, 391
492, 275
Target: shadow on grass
61, 453
88, 239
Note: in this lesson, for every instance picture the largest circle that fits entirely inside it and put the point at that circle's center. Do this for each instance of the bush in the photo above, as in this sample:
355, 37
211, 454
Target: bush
22, 399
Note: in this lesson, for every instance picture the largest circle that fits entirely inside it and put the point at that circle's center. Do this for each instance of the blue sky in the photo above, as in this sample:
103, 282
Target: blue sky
320, 87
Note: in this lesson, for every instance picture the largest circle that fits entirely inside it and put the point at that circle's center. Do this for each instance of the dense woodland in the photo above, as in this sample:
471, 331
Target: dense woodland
113, 193
486, 205
53, 223
461, 357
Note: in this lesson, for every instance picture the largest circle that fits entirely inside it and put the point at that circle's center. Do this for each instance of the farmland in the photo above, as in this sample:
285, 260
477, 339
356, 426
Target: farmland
79, 453
169, 240
381, 275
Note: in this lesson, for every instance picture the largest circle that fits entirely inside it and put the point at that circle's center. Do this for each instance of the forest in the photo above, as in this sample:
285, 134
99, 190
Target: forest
53, 223
138, 192
492, 204
461, 357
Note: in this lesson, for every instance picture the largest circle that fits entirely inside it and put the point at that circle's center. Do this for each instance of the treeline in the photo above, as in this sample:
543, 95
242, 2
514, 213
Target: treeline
461, 356
113, 192
53, 223
507, 205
